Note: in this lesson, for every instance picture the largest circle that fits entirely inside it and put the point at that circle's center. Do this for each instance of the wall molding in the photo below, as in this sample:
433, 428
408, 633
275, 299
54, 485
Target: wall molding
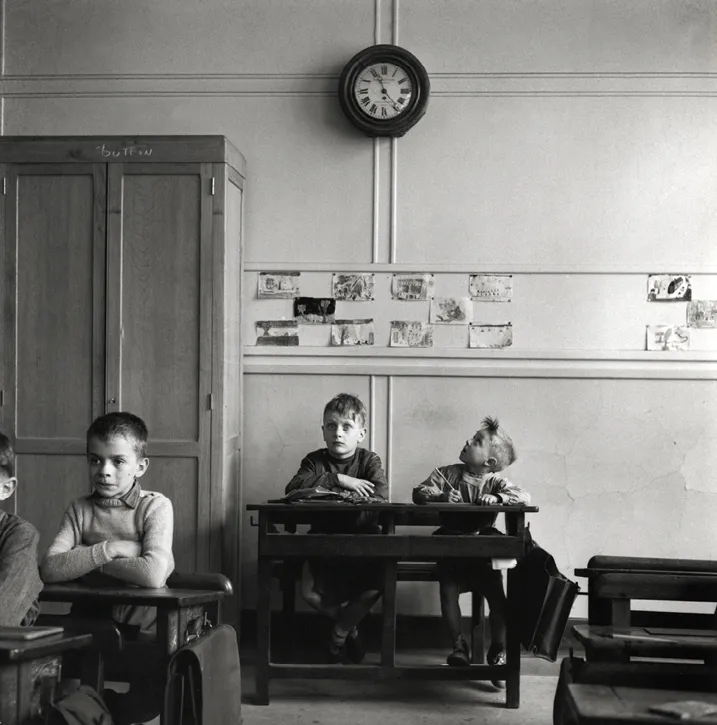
693, 268
401, 362
447, 85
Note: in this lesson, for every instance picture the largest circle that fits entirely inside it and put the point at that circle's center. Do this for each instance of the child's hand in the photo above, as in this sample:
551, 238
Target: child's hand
453, 496
358, 485
124, 549
488, 499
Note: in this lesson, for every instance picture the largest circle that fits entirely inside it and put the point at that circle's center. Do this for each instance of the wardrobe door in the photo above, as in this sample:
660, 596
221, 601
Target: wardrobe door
159, 304
53, 330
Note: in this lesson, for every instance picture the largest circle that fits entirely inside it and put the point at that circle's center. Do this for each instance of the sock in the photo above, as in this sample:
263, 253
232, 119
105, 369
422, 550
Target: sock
338, 637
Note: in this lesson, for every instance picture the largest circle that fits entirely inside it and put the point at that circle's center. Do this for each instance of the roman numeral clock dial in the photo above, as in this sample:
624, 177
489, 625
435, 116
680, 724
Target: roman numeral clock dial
383, 90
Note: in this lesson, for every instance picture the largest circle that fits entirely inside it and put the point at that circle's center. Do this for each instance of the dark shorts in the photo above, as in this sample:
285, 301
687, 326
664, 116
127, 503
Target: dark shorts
469, 574
345, 579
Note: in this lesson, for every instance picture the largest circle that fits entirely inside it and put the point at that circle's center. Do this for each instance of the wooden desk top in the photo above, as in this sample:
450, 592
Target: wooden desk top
604, 705
163, 598
337, 506
17, 650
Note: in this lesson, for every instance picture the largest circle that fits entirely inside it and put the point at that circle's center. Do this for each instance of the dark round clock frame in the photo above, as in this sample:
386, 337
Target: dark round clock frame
408, 116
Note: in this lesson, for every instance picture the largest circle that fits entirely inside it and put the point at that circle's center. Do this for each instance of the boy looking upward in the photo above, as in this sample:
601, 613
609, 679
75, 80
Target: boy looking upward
343, 589
475, 480
19, 578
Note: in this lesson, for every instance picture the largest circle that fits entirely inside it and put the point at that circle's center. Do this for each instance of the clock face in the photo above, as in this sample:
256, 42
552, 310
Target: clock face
383, 90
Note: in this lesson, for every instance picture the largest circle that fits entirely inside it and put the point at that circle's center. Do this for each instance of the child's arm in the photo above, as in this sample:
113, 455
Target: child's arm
67, 558
374, 473
309, 477
437, 487
506, 493
19, 579
154, 565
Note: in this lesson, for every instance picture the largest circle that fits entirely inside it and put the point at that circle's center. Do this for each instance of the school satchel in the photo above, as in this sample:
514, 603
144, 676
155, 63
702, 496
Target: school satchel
204, 681
546, 599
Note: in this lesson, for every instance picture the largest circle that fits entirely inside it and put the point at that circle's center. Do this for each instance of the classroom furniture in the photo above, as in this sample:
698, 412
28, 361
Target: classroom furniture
388, 548
617, 632
29, 672
182, 614
121, 261
612, 705
289, 573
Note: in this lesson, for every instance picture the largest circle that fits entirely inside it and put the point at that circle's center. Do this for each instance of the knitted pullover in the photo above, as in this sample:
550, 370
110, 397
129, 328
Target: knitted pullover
470, 486
80, 545
19, 579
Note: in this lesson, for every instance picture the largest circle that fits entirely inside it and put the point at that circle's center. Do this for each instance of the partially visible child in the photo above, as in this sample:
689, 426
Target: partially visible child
20, 581
474, 480
117, 532
343, 589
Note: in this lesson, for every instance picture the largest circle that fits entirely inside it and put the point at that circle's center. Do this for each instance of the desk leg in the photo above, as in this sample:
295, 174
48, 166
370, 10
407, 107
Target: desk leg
512, 680
263, 630
388, 619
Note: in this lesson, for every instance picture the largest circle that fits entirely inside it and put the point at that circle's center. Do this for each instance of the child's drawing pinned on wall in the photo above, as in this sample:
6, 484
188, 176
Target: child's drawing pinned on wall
353, 287
702, 313
281, 285
668, 337
314, 310
491, 287
451, 310
352, 332
410, 287
669, 287
410, 334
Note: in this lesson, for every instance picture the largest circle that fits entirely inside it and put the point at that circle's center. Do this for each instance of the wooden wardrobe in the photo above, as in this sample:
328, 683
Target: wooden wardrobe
121, 263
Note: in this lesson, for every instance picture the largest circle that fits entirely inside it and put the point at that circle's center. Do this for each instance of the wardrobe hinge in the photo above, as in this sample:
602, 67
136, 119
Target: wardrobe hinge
2, 398
212, 187
211, 401
4, 187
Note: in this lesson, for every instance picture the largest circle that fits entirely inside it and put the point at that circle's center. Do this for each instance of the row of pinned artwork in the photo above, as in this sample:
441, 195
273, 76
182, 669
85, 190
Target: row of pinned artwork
404, 333
404, 287
408, 287
701, 314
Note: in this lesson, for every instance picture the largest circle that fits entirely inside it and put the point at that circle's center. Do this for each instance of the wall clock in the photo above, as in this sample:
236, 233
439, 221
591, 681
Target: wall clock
383, 90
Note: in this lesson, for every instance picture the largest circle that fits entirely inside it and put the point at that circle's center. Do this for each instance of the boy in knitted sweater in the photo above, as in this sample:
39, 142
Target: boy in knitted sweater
118, 532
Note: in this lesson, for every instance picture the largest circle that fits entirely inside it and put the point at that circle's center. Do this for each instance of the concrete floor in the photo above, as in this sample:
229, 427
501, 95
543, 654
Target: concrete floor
336, 702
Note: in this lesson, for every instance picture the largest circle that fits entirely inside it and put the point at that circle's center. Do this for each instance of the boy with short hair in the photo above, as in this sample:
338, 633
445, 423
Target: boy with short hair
120, 532
20, 581
343, 589
474, 480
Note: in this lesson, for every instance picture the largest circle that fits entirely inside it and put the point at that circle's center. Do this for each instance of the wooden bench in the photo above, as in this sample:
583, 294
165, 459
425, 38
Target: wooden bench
289, 573
617, 632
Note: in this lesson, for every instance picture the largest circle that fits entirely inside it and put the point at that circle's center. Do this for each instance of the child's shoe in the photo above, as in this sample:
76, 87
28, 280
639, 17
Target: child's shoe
497, 657
337, 654
461, 656
355, 650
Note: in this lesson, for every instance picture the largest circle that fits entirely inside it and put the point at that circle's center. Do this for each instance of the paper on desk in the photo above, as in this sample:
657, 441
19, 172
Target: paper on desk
503, 563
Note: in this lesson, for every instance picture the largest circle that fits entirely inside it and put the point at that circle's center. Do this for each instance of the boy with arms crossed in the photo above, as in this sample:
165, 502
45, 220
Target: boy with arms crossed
117, 532
343, 589
474, 480
19, 578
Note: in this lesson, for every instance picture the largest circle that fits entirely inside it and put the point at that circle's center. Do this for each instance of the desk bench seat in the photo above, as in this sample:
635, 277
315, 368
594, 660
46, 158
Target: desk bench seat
602, 642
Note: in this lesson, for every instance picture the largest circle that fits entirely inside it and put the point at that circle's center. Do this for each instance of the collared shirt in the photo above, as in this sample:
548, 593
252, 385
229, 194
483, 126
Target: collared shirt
129, 499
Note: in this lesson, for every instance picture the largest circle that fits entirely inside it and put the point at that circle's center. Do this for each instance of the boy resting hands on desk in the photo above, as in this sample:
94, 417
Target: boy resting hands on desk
475, 480
117, 534
343, 589
19, 578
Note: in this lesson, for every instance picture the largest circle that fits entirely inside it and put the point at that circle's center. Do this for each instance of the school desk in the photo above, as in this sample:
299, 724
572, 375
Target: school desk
389, 547
29, 672
605, 705
180, 612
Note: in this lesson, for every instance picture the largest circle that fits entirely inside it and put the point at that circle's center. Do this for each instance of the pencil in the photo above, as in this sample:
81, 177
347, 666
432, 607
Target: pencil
453, 488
